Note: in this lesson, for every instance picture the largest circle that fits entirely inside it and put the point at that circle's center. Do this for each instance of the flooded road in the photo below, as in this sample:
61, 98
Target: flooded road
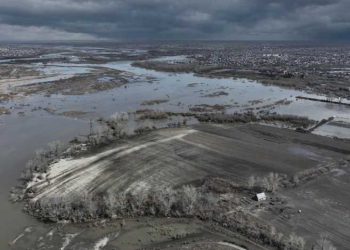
29, 128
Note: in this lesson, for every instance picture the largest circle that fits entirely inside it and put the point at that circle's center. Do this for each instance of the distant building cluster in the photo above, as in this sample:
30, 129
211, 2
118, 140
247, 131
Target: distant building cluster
17, 52
282, 60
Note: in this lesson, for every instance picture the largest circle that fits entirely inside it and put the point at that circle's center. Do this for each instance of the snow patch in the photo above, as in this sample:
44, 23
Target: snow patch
101, 243
222, 243
67, 240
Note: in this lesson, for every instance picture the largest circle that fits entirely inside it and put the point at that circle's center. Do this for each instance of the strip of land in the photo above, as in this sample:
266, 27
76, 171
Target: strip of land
178, 157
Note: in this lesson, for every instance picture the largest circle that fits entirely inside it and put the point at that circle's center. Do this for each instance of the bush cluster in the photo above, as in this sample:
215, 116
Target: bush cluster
295, 121
201, 202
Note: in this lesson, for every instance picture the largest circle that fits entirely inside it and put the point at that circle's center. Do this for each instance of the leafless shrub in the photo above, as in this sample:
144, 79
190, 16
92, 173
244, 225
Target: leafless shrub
249, 226
270, 183
323, 243
273, 181
295, 180
294, 121
206, 202
154, 102
136, 202
187, 201
252, 182
111, 204
165, 197
295, 242
189, 198
118, 124
42, 159
153, 115
56, 148
310, 174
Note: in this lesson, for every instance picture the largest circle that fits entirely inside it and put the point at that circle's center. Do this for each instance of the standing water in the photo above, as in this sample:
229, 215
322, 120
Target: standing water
21, 136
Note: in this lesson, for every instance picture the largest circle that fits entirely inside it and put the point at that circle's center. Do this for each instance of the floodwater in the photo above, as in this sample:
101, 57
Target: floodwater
181, 91
21, 135
340, 128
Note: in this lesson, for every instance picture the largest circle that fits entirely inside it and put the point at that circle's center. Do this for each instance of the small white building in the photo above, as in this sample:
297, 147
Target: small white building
261, 197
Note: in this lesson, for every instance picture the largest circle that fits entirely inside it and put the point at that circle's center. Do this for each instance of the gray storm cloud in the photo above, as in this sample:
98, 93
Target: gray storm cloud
170, 19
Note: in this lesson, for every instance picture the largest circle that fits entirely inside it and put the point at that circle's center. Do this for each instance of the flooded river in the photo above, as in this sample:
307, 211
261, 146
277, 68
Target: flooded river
28, 129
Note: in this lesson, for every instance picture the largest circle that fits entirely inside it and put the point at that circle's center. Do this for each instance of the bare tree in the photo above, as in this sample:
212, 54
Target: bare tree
166, 198
120, 203
271, 182
189, 199
87, 203
118, 124
275, 181
296, 242
266, 184
252, 182
323, 243
55, 148
296, 180
110, 201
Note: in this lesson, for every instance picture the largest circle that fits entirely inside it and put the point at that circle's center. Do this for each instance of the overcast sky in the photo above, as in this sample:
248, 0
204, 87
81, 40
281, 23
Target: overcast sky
174, 19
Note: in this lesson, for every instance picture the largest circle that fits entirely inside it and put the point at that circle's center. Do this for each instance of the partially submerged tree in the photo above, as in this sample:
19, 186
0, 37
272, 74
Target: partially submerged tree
118, 124
56, 148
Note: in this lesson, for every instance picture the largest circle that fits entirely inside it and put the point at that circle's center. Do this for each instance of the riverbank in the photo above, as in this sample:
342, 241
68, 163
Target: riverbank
283, 70
79, 90
186, 156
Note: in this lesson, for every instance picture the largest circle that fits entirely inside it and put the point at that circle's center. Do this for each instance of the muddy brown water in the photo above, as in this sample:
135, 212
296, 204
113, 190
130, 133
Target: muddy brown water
21, 136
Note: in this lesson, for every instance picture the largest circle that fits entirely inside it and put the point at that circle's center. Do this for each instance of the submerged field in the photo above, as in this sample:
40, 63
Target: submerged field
179, 156
204, 131
173, 158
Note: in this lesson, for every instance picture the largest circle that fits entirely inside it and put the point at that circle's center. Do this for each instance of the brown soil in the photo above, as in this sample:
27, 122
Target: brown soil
78, 85
189, 155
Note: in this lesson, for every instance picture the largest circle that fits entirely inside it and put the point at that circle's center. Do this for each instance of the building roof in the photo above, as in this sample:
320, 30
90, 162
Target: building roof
261, 196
